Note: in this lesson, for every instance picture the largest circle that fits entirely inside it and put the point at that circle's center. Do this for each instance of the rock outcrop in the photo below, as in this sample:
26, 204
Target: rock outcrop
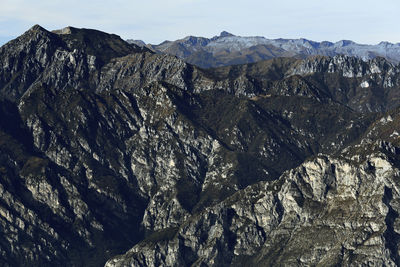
328, 211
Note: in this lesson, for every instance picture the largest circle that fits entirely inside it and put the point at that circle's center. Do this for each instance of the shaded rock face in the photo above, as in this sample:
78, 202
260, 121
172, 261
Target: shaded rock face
109, 149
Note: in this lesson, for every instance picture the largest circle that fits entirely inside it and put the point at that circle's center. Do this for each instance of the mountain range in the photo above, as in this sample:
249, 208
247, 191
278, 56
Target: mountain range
112, 154
228, 49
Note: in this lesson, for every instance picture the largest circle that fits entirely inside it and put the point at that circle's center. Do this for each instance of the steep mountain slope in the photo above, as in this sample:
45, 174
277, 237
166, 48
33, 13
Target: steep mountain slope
228, 49
108, 147
328, 211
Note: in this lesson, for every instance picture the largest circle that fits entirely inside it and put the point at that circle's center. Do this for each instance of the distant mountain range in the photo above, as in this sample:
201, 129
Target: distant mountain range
228, 49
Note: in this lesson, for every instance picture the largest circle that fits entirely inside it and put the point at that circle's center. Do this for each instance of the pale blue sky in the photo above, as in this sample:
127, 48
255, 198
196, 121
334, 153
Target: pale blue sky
154, 21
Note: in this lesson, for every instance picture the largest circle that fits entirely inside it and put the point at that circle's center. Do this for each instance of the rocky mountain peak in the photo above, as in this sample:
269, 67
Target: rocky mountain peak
66, 30
102, 45
35, 33
343, 43
387, 44
37, 28
23, 60
140, 43
223, 34
226, 34
326, 44
195, 41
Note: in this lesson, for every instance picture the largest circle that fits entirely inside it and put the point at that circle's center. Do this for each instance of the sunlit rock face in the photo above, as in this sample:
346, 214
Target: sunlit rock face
112, 154
327, 211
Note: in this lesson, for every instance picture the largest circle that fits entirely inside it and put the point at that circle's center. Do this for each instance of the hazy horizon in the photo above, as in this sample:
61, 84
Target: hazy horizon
154, 21
4, 40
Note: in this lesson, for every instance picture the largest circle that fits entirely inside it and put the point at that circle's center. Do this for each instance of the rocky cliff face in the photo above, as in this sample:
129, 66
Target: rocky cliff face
109, 149
328, 211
